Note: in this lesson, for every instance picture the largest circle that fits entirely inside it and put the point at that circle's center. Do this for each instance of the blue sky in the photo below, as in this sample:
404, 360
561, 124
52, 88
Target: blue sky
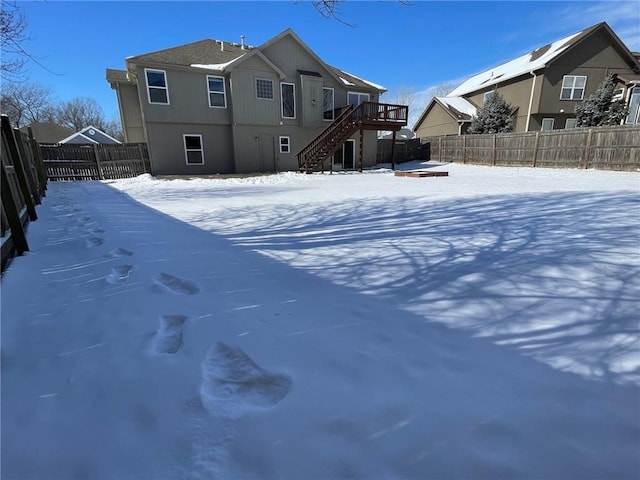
416, 44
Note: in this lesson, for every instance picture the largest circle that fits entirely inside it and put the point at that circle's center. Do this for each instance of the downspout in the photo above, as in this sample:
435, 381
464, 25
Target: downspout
533, 86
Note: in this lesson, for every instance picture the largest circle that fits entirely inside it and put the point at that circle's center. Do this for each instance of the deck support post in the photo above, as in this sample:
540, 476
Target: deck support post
393, 151
360, 159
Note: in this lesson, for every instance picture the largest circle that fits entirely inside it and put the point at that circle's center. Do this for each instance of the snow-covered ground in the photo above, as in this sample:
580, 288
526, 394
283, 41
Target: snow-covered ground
480, 325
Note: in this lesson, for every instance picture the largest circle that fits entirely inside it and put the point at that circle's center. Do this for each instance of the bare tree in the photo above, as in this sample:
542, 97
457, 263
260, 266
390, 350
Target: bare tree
26, 103
79, 113
12, 33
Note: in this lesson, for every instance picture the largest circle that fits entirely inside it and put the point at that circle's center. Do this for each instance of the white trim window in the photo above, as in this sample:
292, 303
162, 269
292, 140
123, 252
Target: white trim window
157, 88
356, 98
487, 96
217, 92
288, 95
571, 123
634, 107
193, 151
573, 87
328, 105
285, 144
264, 88
547, 124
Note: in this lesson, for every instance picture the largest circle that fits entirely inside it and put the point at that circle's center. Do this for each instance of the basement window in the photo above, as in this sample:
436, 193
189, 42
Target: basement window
157, 90
193, 151
285, 145
547, 124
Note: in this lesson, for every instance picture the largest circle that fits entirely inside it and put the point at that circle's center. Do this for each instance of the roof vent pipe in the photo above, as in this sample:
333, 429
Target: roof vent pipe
221, 45
242, 45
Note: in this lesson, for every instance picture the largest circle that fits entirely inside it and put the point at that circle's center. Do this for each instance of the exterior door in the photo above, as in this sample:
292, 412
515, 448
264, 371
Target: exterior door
267, 154
345, 157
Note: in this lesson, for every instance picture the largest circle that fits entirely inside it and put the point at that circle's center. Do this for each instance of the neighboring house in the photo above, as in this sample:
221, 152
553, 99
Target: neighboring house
543, 87
219, 107
47, 132
90, 135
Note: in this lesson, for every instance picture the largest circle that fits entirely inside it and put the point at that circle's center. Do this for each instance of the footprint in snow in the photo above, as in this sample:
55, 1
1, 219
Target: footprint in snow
233, 384
119, 274
169, 333
120, 252
94, 241
176, 285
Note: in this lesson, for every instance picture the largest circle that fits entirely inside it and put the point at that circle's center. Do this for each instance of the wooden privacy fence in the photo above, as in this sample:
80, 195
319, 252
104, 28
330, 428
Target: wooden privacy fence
404, 150
95, 162
605, 148
24, 182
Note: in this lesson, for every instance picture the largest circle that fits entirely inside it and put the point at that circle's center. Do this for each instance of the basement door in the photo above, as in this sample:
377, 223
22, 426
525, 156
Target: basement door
267, 153
345, 157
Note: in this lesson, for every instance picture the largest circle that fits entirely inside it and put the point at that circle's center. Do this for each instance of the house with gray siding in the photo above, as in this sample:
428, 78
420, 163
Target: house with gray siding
543, 86
218, 107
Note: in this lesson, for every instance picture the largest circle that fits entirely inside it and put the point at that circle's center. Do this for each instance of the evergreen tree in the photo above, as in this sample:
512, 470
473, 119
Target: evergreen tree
493, 117
600, 108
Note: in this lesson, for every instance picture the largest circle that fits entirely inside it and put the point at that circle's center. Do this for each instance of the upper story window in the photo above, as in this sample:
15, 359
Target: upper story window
327, 103
157, 90
264, 88
573, 87
288, 92
634, 107
356, 98
217, 92
193, 151
487, 96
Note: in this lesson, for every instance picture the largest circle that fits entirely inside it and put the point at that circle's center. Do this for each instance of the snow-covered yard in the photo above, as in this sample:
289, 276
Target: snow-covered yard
480, 325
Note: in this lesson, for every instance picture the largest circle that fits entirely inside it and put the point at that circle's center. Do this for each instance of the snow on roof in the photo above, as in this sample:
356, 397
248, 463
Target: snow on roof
526, 63
214, 66
347, 82
374, 85
459, 104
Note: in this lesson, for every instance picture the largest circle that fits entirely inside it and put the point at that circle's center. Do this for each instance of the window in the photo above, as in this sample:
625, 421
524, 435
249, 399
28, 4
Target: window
264, 88
157, 91
571, 123
285, 145
193, 152
547, 124
217, 93
487, 96
355, 98
573, 87
634, 107
327, 103
288, 92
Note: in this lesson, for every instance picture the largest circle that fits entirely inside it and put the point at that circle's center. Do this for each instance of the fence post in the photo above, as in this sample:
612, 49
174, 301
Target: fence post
493, 151
34, 187
37, 156
12, 213
97, 154
464, 149
14, 154
587, 149
440, 148
535, 148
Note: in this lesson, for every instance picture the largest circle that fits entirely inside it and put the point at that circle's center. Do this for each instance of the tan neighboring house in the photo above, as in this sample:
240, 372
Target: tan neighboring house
219, 107
47, 132
543, 87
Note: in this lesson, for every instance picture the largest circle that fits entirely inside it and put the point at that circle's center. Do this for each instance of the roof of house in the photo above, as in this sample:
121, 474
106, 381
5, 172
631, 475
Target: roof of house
459, 108
218, 55
90, 135
47, 132
532, 61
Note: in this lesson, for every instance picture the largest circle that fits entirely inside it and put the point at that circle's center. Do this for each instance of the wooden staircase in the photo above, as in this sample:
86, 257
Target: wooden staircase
366, 116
